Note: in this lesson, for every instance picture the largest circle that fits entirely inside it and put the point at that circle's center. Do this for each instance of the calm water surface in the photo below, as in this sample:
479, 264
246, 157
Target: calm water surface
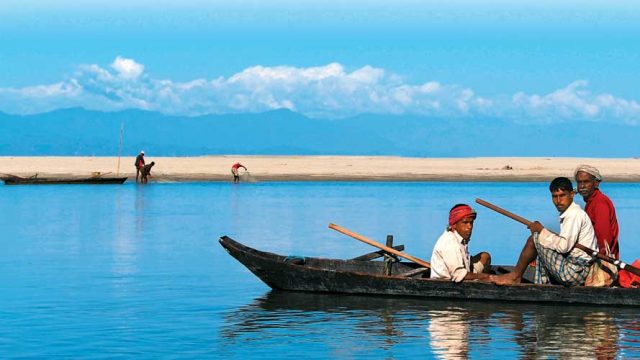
136, 272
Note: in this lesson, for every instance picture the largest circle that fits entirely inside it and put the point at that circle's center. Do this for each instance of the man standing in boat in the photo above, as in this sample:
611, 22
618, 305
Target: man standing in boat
599, 208
234, 171
139, 164
450, 258
557, 259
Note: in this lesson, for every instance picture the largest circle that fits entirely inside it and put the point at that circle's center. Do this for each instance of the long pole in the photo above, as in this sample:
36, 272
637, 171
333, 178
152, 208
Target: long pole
379, 245
619, 264
120, 148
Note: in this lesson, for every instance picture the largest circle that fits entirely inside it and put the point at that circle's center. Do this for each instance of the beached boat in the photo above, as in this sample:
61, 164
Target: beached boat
34, 180
366, 277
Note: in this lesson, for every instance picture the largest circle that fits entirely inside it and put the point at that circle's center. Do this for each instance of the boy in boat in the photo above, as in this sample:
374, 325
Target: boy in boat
450, 258
599, 208
557, 260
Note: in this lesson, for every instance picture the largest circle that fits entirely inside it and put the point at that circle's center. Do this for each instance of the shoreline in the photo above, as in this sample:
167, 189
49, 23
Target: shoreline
325, 168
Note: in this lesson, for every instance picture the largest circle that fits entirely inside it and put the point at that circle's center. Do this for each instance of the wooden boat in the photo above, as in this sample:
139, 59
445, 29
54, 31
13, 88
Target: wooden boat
34, 180
366, 277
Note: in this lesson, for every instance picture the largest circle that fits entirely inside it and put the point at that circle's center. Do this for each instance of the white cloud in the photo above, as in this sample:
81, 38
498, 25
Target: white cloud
321, 91
575, 102
127, 68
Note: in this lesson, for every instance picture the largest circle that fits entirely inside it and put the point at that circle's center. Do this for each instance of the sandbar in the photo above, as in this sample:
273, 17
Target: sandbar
324, 168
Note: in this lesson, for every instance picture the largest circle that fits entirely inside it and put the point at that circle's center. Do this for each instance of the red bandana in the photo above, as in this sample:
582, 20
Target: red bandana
460, 212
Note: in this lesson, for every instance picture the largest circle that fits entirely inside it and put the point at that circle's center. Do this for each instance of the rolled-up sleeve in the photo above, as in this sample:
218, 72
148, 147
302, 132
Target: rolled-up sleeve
564, 242
458, 274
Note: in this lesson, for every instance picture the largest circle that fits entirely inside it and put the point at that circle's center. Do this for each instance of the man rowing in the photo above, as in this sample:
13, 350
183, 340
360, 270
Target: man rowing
557, 260
599, 208
450, 258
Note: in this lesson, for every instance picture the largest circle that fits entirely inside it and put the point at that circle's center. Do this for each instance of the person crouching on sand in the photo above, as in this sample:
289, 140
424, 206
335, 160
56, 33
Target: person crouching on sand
450, 258
145, 172
234, 171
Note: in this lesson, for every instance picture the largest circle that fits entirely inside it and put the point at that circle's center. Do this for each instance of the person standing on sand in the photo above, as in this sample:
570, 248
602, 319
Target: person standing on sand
450, 259
557, 259
234, 171
599, 208
139, 164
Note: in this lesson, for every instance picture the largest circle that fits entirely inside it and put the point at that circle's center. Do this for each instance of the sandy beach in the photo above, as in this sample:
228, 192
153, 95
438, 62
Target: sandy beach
325, 168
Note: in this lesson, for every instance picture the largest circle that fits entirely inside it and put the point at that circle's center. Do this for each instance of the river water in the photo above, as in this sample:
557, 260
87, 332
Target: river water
135, 271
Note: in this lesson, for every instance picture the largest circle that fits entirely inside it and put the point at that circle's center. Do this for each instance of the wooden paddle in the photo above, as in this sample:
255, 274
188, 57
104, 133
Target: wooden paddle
379, 245
619, 264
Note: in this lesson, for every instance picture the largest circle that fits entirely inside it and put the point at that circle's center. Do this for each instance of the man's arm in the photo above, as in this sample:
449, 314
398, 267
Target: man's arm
566, 240
457, 270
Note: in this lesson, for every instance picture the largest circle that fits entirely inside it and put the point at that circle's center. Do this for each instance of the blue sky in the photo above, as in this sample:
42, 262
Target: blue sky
522, 60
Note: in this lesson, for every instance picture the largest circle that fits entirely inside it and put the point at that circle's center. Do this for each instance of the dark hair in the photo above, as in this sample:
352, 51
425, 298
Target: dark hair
457, 205
561, 183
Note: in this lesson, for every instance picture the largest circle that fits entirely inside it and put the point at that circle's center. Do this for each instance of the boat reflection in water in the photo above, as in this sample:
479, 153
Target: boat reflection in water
536, 331
321, 325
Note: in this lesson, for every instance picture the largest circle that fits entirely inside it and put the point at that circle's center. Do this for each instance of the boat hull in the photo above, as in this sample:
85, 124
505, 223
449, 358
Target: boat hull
52, 181
365, 278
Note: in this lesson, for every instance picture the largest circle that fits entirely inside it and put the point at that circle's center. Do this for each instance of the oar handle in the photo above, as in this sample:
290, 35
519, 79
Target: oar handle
620, 264
379, 245
504, 212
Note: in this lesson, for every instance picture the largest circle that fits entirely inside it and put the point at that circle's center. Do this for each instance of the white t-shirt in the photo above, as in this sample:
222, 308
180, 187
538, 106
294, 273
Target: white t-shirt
450, 258
575, 226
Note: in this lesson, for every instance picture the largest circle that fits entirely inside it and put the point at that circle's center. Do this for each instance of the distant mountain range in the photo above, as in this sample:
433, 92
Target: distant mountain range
92, 133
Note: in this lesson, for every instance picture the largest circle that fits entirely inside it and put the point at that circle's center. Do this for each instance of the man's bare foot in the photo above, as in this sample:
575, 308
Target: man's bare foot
506, 279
